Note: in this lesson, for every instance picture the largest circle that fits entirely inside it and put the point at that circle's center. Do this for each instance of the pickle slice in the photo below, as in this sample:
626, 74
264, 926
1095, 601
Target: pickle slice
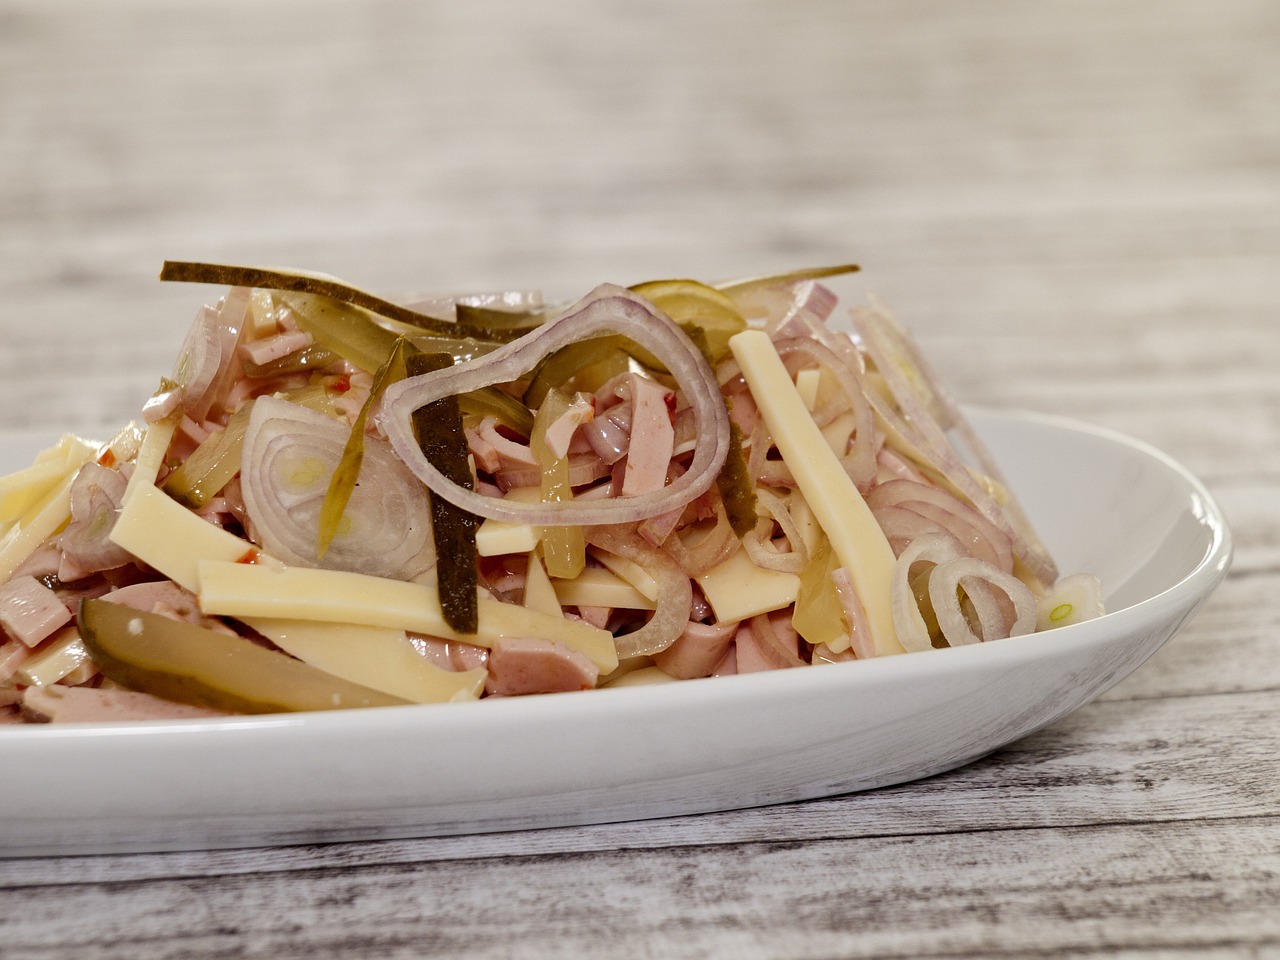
189, 664
696, 306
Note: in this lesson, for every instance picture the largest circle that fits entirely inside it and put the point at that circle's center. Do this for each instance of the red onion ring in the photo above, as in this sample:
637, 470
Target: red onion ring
606, 310
675, 592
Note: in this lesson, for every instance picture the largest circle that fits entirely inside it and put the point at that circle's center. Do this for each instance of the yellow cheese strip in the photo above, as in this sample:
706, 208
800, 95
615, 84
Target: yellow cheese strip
807, 382
538, 592
40, 522
167, 536
23, 489
155, 444
497, 537
376, 657
63, 655
737, 588
632, 572
599, 587
845, 517
246, 590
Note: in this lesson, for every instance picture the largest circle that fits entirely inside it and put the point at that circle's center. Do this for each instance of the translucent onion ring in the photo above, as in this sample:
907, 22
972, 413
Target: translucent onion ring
935, 548
606, 310
944, 582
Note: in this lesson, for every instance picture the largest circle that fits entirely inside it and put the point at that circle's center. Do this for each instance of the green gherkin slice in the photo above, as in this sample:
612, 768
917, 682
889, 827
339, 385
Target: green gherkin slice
438, 426
347, 473
186, 663
317, 284
734, 287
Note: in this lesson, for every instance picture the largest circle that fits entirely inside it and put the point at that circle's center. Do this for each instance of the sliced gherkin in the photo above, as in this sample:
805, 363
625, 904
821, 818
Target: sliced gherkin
696, 306
186, 663
438, 427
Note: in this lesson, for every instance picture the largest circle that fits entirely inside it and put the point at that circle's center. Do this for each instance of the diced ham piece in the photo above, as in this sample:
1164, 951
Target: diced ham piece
12, 656
652, 438
519, 665
697, 651
261, 352
560, 433
166, 598
161, 405
30, 611
493, 451
59, 704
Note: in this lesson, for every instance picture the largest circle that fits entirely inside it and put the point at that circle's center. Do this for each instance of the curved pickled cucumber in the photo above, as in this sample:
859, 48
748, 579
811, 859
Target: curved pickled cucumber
189, 664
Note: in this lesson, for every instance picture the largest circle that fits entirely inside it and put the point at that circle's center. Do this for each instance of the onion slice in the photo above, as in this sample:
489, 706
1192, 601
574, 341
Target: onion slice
674, 591
288, 457
607, 310
975, 577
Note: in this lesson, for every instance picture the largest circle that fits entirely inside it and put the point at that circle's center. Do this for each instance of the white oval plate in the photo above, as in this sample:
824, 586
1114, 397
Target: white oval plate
1102, 502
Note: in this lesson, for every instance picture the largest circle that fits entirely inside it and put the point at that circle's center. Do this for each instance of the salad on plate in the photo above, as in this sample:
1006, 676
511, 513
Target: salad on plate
337, 501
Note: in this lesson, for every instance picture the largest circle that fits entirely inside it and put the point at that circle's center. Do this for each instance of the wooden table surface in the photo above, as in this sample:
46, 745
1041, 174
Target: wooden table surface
1076, 206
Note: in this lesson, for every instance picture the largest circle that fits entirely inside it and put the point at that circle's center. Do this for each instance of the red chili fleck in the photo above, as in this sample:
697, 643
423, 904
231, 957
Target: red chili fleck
251, 556
341, 383
107, 458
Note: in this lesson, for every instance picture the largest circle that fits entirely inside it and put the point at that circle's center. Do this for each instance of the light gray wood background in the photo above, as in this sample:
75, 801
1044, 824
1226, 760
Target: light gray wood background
1075, 205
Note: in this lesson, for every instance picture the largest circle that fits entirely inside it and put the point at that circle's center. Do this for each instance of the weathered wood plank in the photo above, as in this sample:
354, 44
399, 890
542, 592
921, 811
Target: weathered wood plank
1009, 893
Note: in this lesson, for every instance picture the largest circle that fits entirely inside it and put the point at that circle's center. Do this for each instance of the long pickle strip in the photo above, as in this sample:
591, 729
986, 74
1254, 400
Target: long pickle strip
697, 307
492, 324
733, 287
211, 465
304, 282
564, 548
438, 428
490, 401
347, 473
557, 368
736, 487
190, 664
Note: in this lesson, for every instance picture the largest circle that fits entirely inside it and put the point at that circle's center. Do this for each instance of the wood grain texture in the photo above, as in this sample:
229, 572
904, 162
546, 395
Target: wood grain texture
1075, 206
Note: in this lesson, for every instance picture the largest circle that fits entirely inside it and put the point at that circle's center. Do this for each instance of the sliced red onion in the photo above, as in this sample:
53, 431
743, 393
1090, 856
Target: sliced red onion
774, 649
584, 468
610, 433
976, 577
890, 348
607, 310
96, 495
855, 614
709, 548
982, 538
289, 455
206, 364
757, 542
860, 461
675, 592
934, 548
